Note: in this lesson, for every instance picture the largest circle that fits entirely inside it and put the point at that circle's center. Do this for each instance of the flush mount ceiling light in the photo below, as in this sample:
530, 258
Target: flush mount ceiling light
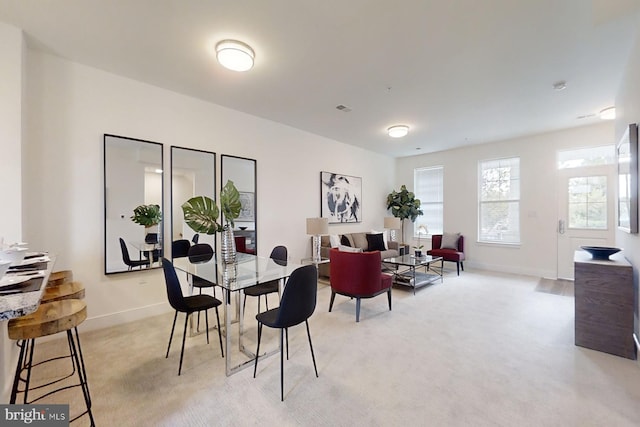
560, 85
235, 55
398, 131
608, 113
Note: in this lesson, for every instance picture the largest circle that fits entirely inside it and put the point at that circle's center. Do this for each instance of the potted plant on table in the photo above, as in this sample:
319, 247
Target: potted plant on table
404, 205
149, 216
201, 214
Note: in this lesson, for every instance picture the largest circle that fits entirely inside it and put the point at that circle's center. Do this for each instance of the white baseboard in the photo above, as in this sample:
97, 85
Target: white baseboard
510, 269
113, 319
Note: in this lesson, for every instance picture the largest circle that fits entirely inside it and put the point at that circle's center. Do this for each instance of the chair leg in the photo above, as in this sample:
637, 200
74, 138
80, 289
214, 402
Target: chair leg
77, 356
281, 368
266, 301
389, 298
458, 265
286, 332
23, 351
255, 366
171, 336
198, 322
462, 265
244, 304
219, 333
357, 309
313, 356
333, 297
184, 336
206, 323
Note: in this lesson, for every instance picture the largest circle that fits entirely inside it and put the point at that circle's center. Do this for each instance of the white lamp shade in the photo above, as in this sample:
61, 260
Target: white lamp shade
422, 230
235, 55
392, 223
317, 226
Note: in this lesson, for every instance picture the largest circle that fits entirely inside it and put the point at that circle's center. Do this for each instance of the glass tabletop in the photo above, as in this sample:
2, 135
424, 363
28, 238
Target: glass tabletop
247, 271
411, 260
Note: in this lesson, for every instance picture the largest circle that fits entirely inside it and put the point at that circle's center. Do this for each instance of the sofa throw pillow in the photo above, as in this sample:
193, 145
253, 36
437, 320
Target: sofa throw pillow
376, 242
334, 240
344, 241
385, 237
344, 248
450, 241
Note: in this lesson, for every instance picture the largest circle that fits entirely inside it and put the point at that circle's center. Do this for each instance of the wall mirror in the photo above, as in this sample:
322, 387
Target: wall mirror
132, 179
627, 154
242, 172
193, 173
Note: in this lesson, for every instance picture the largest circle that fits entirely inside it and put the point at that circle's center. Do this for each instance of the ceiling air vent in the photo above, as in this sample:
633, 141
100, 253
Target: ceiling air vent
343, 108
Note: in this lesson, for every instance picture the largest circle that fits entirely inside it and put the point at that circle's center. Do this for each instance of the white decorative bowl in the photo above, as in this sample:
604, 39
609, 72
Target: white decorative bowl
14, 255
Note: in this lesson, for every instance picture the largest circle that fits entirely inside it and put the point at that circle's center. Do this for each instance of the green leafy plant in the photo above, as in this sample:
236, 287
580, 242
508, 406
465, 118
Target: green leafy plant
147, 215
404, 205
201, 212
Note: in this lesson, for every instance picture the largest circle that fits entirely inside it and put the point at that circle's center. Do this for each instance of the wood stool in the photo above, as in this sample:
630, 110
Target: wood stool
50, 318
60, 277
68, 290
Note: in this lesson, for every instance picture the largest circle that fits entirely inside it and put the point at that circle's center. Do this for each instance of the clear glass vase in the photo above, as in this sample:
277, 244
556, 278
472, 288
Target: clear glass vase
228, 247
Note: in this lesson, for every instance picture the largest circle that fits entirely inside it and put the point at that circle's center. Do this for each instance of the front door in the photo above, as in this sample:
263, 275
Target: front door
586, 211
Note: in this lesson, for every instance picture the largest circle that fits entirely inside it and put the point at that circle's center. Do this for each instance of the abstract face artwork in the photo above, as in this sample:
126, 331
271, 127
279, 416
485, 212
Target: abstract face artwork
341, 197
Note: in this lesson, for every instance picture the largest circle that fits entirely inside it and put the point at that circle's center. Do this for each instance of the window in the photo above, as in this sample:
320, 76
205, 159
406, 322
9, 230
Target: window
588, 202
603, 155
428, 184
499, 201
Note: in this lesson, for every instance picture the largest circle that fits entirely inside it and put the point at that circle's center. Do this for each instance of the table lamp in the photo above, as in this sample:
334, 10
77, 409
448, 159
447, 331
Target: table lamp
392, 223
317, 227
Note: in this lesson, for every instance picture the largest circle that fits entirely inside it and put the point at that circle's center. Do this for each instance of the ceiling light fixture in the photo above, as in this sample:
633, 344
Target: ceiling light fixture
235, 55
560, 85
398, 131
608, 113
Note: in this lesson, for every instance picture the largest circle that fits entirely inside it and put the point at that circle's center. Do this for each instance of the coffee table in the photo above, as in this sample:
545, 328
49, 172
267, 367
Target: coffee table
405, 273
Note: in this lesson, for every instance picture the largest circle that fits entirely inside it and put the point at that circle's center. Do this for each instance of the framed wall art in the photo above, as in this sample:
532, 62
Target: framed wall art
340, 197
247, 200
627, 157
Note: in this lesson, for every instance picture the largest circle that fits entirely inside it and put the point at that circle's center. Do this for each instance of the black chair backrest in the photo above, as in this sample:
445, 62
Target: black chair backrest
195, 238
174, 291
151, 238
125, 252
200, 252
299, 297
180, 248
279, 253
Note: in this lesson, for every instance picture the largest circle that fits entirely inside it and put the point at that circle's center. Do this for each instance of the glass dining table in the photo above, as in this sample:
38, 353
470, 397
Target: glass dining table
247, 271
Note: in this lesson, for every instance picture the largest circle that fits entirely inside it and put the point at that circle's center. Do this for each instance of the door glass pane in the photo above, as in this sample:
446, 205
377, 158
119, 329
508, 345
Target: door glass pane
588, 202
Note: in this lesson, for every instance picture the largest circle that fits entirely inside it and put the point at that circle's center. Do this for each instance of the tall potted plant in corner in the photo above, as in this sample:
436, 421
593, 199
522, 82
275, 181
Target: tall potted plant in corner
149, 216
201, 214
404, 205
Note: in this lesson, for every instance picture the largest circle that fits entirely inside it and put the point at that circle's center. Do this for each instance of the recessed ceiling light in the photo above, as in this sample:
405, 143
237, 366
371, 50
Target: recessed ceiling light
398, 131
608, 113
235, 55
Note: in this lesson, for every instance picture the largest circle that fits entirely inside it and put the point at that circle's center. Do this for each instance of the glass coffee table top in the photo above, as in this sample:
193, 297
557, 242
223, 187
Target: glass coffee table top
412, 261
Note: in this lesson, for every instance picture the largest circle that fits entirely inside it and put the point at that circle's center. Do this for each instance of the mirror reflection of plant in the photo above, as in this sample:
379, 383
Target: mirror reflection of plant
201, 212
147, 215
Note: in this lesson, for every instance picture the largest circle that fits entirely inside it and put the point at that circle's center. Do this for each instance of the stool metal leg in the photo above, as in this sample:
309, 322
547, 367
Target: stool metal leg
16, 380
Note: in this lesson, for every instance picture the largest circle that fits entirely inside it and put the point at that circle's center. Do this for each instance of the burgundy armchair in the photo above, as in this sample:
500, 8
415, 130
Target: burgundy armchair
358, 275
448, 254
241, 245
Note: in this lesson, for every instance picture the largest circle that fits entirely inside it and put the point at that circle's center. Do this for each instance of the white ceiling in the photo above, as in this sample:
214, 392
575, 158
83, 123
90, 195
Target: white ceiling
456, 71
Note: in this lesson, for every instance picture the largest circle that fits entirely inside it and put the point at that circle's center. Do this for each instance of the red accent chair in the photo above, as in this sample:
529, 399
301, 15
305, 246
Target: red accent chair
358, 275
448, 254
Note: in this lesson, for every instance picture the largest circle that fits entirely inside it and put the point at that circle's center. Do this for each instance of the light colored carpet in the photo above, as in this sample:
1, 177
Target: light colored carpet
481, 349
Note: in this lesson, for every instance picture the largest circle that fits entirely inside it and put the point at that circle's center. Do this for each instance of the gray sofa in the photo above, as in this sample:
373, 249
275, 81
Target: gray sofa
356, 240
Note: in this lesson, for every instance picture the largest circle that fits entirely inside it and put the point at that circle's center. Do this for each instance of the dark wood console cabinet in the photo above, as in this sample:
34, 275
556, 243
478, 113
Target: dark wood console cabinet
604, 304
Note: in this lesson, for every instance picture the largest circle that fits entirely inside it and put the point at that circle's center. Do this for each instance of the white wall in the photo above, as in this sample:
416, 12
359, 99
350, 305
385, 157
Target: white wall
628, 111
11, 84
538, 205
72, 105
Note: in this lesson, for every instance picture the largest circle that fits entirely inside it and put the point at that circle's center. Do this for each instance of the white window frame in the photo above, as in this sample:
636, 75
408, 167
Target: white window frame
511, 200
434, 227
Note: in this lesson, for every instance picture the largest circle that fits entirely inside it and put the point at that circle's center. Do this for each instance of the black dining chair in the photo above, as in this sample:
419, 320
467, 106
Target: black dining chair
296, 306
131, 263
187, 305
201, 252
195, 238
180, 248
279, 253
